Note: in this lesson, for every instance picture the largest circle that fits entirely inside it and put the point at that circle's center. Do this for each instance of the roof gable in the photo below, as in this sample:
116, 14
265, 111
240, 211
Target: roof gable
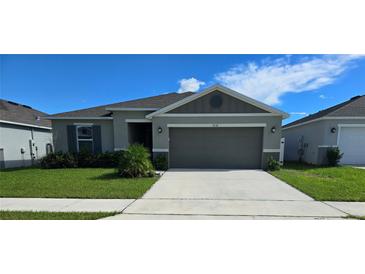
242, 103
217, 102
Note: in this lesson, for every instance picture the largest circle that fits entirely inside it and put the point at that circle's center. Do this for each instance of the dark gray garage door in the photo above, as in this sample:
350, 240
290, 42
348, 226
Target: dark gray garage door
231, 148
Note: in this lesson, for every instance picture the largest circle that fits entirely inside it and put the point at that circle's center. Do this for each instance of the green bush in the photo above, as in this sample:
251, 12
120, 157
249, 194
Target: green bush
58, 160
86, 159
273, 164
82, 159
136, 162
160, 162
108, 159
334, 156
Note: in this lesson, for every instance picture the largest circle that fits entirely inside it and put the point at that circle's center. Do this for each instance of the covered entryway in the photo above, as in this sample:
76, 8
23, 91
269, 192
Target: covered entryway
352, 144
215, 147
140, 133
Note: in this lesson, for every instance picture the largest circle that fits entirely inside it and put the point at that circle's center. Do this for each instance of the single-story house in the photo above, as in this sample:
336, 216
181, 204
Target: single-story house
341, 126
25, 136
215, 128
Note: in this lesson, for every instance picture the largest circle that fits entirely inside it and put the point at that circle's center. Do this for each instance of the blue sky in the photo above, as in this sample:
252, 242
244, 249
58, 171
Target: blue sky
297, 84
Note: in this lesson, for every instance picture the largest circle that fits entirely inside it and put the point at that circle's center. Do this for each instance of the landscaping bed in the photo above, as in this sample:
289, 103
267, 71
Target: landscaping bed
341, 183
93, 183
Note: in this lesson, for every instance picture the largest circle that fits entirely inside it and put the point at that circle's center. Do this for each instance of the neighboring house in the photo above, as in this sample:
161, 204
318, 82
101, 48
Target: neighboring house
25, 136
215, 128
340, 126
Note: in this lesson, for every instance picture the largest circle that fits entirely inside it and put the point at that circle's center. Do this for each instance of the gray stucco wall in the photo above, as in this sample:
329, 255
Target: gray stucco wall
270, 140
315, 134
115, 132
14, 137
331, 138
60, 133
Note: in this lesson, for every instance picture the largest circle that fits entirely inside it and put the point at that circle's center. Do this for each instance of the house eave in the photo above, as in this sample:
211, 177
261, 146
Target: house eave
79, 118
325, 118
131, 109
24, 124
216, 115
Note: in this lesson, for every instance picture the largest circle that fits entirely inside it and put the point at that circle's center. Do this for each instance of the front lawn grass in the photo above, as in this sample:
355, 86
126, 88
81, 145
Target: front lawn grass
355, 217
42, 215
71, 183
325, 183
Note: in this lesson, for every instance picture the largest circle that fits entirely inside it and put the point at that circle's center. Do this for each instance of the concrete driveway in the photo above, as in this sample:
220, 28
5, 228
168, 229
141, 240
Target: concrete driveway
224, 194
223, 185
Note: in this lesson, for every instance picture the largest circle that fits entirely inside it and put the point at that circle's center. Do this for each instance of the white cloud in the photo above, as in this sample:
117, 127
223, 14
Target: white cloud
299, 113
322, 96
190, 84
271, 79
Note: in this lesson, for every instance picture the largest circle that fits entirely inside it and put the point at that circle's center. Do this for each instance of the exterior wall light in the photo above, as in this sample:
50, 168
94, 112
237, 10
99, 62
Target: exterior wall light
333, 130
273, 129
159, 130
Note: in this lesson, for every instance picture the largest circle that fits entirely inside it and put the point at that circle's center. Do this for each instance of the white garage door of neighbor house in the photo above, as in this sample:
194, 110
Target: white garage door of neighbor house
352, 144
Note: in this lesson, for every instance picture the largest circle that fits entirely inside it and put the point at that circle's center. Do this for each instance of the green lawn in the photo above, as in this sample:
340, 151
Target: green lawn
355, 217
71, 183
32, 215
325, 183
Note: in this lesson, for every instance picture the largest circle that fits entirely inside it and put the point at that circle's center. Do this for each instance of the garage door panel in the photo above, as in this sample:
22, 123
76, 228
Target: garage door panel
352, 145
232, 148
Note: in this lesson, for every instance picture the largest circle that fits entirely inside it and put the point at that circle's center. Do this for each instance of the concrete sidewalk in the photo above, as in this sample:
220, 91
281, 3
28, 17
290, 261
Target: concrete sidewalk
352, 208
233, 208
176, 209
64, 205
211, 217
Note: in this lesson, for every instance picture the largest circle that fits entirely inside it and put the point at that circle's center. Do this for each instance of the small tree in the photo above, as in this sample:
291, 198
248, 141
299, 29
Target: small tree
334, 156
135, 162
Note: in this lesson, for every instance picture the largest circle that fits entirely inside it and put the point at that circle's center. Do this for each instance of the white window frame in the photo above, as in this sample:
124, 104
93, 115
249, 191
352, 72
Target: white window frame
77, 136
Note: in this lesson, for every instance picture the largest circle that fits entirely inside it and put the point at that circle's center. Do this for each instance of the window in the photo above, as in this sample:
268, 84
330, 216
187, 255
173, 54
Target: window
84, 139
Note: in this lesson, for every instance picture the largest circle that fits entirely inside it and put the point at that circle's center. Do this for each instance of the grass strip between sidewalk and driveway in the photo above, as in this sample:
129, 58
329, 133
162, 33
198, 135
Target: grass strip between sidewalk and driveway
96, 183
42, 215
341, 183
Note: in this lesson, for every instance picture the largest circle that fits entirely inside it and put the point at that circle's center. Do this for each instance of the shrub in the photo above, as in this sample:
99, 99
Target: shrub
273, 164
136, 162
58, 160
86, 159
334, 156
108, 159
160, 162
82, 159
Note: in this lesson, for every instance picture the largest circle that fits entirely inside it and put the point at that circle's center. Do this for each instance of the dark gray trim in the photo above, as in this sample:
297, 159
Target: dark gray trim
97, 139
71, 138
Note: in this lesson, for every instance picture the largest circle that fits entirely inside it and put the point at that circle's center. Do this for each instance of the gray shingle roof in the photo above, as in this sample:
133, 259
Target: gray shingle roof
355, 107
18, 113
157, 102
